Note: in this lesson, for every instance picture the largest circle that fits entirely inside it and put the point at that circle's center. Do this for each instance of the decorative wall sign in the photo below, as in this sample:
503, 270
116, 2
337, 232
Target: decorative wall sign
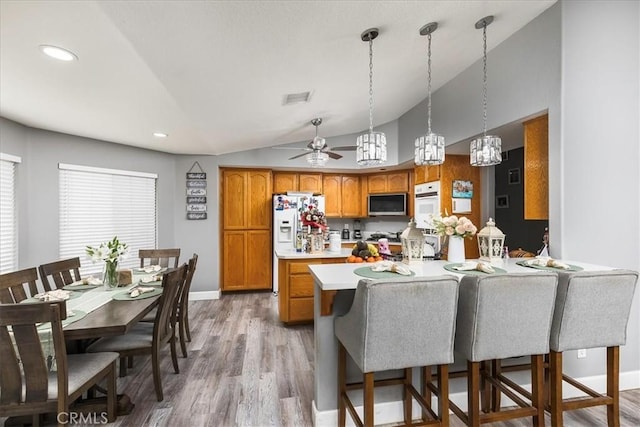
196, 193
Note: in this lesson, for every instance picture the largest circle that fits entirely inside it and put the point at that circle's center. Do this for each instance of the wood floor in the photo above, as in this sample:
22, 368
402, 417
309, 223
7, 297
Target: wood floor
245, 369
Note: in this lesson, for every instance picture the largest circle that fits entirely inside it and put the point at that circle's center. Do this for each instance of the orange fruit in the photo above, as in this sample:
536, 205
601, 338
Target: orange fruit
378, 258
351, 258
371, 259
358, 259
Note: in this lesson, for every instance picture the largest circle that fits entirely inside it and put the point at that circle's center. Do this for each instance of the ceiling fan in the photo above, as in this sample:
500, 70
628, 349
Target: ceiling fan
318, 145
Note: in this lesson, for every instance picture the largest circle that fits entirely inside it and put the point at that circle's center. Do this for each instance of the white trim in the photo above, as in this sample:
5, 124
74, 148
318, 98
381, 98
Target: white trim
204, 295
392, 412
10, 158
66, 166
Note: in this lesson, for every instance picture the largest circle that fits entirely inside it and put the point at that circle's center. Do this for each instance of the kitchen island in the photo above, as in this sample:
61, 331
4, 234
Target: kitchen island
295, 284
335, 288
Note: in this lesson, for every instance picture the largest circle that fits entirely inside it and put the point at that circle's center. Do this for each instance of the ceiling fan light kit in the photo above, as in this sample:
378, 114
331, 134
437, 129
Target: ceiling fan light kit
371, 147
429, 148
486, 150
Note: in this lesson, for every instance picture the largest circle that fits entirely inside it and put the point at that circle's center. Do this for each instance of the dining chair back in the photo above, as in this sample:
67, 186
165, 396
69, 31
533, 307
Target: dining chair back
144, 339
61, 273
592, 311
161, 257
182, 315
12, 285
499, 317
27, 383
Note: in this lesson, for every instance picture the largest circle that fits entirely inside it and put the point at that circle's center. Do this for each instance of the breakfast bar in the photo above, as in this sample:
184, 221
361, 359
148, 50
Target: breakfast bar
337, 282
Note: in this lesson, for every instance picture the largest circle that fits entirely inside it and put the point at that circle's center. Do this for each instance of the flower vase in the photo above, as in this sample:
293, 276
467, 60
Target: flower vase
110, 277
456, 249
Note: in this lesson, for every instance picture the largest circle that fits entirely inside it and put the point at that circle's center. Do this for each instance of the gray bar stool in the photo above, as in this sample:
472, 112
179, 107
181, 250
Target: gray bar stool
395, 325
499, 317
592, 310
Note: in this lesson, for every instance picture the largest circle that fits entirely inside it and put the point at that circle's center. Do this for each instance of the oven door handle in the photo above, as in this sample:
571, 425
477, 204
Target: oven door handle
431, 194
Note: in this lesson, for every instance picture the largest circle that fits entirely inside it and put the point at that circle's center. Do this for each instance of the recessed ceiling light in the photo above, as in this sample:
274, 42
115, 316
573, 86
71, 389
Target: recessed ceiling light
58, 53
160, 135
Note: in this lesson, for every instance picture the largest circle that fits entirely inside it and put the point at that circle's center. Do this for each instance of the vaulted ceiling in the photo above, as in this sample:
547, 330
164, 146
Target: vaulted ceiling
213, 74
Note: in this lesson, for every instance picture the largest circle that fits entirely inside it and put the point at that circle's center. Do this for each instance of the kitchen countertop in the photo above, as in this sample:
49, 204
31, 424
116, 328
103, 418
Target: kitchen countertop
292, 254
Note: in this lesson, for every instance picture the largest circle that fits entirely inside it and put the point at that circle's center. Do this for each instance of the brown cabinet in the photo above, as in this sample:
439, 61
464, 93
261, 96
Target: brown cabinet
246, 229
310, 182
296, 288
536, 168
332, 189
343, 196
293, 181
427, 173
394, 182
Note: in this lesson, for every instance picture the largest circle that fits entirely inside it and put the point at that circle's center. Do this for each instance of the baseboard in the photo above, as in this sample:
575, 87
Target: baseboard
392, 412
204, 295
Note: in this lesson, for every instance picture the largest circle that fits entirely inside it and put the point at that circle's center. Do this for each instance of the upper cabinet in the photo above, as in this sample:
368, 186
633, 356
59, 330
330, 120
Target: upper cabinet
343, 196
536, 168
427, 173
293, 181
246, 199
393, 182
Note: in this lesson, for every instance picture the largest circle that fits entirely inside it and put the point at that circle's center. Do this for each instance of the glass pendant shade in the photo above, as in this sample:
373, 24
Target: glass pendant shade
371, 149
486, 151
317, 159
429, 150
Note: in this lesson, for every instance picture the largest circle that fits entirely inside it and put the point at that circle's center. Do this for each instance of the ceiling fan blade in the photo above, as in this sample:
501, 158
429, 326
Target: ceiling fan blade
335, 156
291, 148
344, 148
299, 155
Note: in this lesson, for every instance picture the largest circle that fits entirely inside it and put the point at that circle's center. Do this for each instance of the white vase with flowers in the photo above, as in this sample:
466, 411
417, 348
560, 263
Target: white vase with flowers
456, 229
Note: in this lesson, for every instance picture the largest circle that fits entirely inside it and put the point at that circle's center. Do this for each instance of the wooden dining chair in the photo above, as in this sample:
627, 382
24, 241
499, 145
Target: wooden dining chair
147, 338
12, 285
28, 386
61, 273
161, 257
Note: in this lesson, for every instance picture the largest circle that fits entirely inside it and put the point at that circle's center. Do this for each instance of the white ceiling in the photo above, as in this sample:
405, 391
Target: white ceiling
213, 74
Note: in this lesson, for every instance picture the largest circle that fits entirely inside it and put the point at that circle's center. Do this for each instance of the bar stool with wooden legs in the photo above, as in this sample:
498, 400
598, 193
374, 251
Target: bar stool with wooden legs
503, 316
396, 325
592, 310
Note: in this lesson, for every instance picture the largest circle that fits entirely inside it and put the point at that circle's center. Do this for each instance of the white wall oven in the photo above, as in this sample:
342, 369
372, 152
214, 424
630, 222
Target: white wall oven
427, 204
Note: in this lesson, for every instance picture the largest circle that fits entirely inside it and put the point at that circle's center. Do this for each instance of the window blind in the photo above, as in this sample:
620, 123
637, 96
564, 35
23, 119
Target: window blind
8, 217
98, 204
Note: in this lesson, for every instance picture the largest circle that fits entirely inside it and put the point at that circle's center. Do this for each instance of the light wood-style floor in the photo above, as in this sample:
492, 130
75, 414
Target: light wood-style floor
246, 369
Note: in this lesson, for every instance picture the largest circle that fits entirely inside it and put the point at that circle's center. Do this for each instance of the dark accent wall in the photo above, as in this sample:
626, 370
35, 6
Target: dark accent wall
520, 233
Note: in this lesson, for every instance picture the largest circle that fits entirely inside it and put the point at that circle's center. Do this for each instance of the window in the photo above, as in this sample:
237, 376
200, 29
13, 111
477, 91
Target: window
97, 204
8, 220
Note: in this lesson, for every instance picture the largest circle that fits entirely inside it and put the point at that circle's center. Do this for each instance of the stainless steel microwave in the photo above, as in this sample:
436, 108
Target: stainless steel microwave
387, 204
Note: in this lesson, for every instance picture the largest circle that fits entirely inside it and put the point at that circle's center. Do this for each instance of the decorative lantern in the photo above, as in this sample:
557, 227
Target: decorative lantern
412, 244
490, 242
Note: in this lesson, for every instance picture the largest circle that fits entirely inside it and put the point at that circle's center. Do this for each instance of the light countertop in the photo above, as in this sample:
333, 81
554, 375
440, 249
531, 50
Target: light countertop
292, 254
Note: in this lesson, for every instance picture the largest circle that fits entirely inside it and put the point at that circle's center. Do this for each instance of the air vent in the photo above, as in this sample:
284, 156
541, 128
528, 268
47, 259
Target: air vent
295, 98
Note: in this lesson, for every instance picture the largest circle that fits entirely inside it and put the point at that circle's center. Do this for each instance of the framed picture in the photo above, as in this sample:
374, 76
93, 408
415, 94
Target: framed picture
462, 189
505, 155
514, 176
502, 201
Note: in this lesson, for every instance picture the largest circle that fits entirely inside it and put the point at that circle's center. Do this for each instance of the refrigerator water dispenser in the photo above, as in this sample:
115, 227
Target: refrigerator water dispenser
285, 231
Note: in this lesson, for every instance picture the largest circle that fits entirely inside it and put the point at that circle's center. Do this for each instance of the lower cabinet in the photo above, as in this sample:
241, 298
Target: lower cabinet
295, 288
245, 265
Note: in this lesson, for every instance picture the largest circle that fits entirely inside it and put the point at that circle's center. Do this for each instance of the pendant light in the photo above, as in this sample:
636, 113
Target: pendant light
429, 147
486, 150
371, 147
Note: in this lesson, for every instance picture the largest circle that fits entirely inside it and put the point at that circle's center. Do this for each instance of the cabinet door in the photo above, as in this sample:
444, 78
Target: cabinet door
351, 196
398, 182
234, 189
536, 168
332, 188
377, 183
310, 182
258, 200
258, 259
233, 261
285, 181
420, 173
433, 173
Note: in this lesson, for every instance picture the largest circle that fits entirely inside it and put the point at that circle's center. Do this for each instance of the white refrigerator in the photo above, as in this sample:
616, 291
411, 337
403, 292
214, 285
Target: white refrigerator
286, 216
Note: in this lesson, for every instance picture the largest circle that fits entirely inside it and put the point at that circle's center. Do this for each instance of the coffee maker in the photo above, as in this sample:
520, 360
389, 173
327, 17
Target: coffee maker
357, 234
345, 232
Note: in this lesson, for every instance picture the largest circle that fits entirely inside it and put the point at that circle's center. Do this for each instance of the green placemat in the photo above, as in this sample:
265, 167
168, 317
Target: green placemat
449, 267
140, 270
544, 267
125, 296
154, 283
79, 287
367, 272
72, 295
